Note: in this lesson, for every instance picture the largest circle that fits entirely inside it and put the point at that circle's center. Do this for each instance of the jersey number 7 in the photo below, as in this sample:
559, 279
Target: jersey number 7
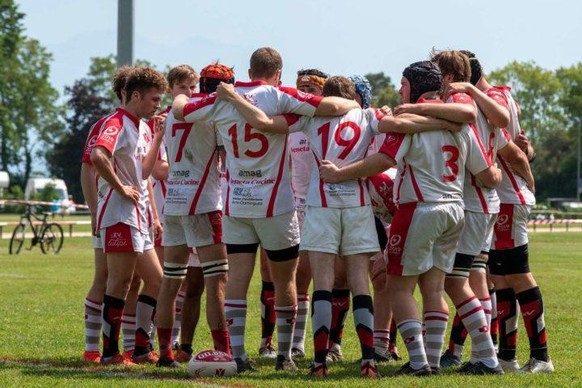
186, 127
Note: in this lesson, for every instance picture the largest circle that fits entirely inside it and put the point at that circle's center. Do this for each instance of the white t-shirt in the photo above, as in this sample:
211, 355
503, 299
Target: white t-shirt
341, 140
128, 140
193, 180
257, 164
431, 165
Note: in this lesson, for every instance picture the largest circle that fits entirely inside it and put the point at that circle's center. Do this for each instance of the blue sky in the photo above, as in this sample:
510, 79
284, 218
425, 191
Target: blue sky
338, 36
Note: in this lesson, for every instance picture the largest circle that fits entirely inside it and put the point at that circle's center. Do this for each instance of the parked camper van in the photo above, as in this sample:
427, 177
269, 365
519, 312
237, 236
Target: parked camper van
37, 185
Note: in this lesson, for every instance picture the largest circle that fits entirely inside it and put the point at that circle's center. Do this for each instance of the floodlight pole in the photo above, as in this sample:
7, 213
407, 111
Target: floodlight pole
124, 32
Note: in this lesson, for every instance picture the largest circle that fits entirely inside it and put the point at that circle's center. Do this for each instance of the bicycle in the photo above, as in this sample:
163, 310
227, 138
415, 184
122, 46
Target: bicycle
48, 234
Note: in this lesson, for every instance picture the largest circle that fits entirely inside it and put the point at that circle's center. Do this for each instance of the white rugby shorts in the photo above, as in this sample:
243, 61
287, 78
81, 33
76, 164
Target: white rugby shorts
423, 236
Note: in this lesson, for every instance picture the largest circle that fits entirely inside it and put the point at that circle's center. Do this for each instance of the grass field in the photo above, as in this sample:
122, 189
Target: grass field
41, 328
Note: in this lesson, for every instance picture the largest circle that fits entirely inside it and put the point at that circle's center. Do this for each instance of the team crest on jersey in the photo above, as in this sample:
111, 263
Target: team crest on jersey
250, 99
92, 141
111, 131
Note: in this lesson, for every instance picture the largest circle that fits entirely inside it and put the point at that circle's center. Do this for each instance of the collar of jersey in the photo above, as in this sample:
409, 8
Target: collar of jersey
250, 83
198, 95
133, 119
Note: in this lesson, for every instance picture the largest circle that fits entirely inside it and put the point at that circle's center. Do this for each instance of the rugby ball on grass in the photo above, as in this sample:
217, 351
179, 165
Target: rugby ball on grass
210, 363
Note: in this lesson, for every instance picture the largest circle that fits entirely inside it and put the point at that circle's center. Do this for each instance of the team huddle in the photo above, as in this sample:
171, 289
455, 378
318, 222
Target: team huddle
434, 192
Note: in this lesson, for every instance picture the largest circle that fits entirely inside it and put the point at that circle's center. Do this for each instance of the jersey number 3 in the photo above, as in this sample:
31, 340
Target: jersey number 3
451, 162
248, 137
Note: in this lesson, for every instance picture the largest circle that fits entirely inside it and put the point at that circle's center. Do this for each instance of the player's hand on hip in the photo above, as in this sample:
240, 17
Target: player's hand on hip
131, 193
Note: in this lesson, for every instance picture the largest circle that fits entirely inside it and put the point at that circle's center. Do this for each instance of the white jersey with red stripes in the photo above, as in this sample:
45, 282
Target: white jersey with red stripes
513, 188
481, 199
259, 182
431, 165
193, 179
127, 139
381, 189
342, 140
301, 163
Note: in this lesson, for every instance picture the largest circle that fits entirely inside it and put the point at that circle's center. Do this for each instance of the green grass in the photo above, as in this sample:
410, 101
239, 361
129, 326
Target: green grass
41, 328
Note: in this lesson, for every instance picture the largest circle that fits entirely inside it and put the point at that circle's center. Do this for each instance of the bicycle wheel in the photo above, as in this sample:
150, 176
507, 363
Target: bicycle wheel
51, 240
17, 239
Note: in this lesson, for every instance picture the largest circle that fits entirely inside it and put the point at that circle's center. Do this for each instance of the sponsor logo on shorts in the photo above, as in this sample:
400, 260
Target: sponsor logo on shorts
117, 240
502, 224
394, 247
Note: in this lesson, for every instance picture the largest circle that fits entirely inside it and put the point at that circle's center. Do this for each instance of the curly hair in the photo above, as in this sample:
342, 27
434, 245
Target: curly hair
144, 78
119, 80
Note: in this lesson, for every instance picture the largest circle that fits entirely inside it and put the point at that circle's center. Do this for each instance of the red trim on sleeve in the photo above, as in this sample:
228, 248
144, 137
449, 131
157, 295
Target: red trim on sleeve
291, 118
111, 129
498, 96
462, 98
391, 144
194, 106
379, 115
303, 97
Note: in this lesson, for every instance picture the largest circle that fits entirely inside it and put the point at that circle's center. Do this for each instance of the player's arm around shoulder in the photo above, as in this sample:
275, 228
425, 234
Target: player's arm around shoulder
252, 114
335, 106
519, 163
478, 162
408, 123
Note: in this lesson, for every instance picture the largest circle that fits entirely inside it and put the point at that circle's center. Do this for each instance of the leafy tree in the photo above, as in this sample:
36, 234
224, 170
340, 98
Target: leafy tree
29, 115
549, 103
383, 91
89, 99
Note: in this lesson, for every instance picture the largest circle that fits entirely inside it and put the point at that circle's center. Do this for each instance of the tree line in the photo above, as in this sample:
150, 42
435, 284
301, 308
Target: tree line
35, 126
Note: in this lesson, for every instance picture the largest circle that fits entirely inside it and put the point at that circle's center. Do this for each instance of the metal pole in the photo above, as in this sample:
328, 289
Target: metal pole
124, 32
